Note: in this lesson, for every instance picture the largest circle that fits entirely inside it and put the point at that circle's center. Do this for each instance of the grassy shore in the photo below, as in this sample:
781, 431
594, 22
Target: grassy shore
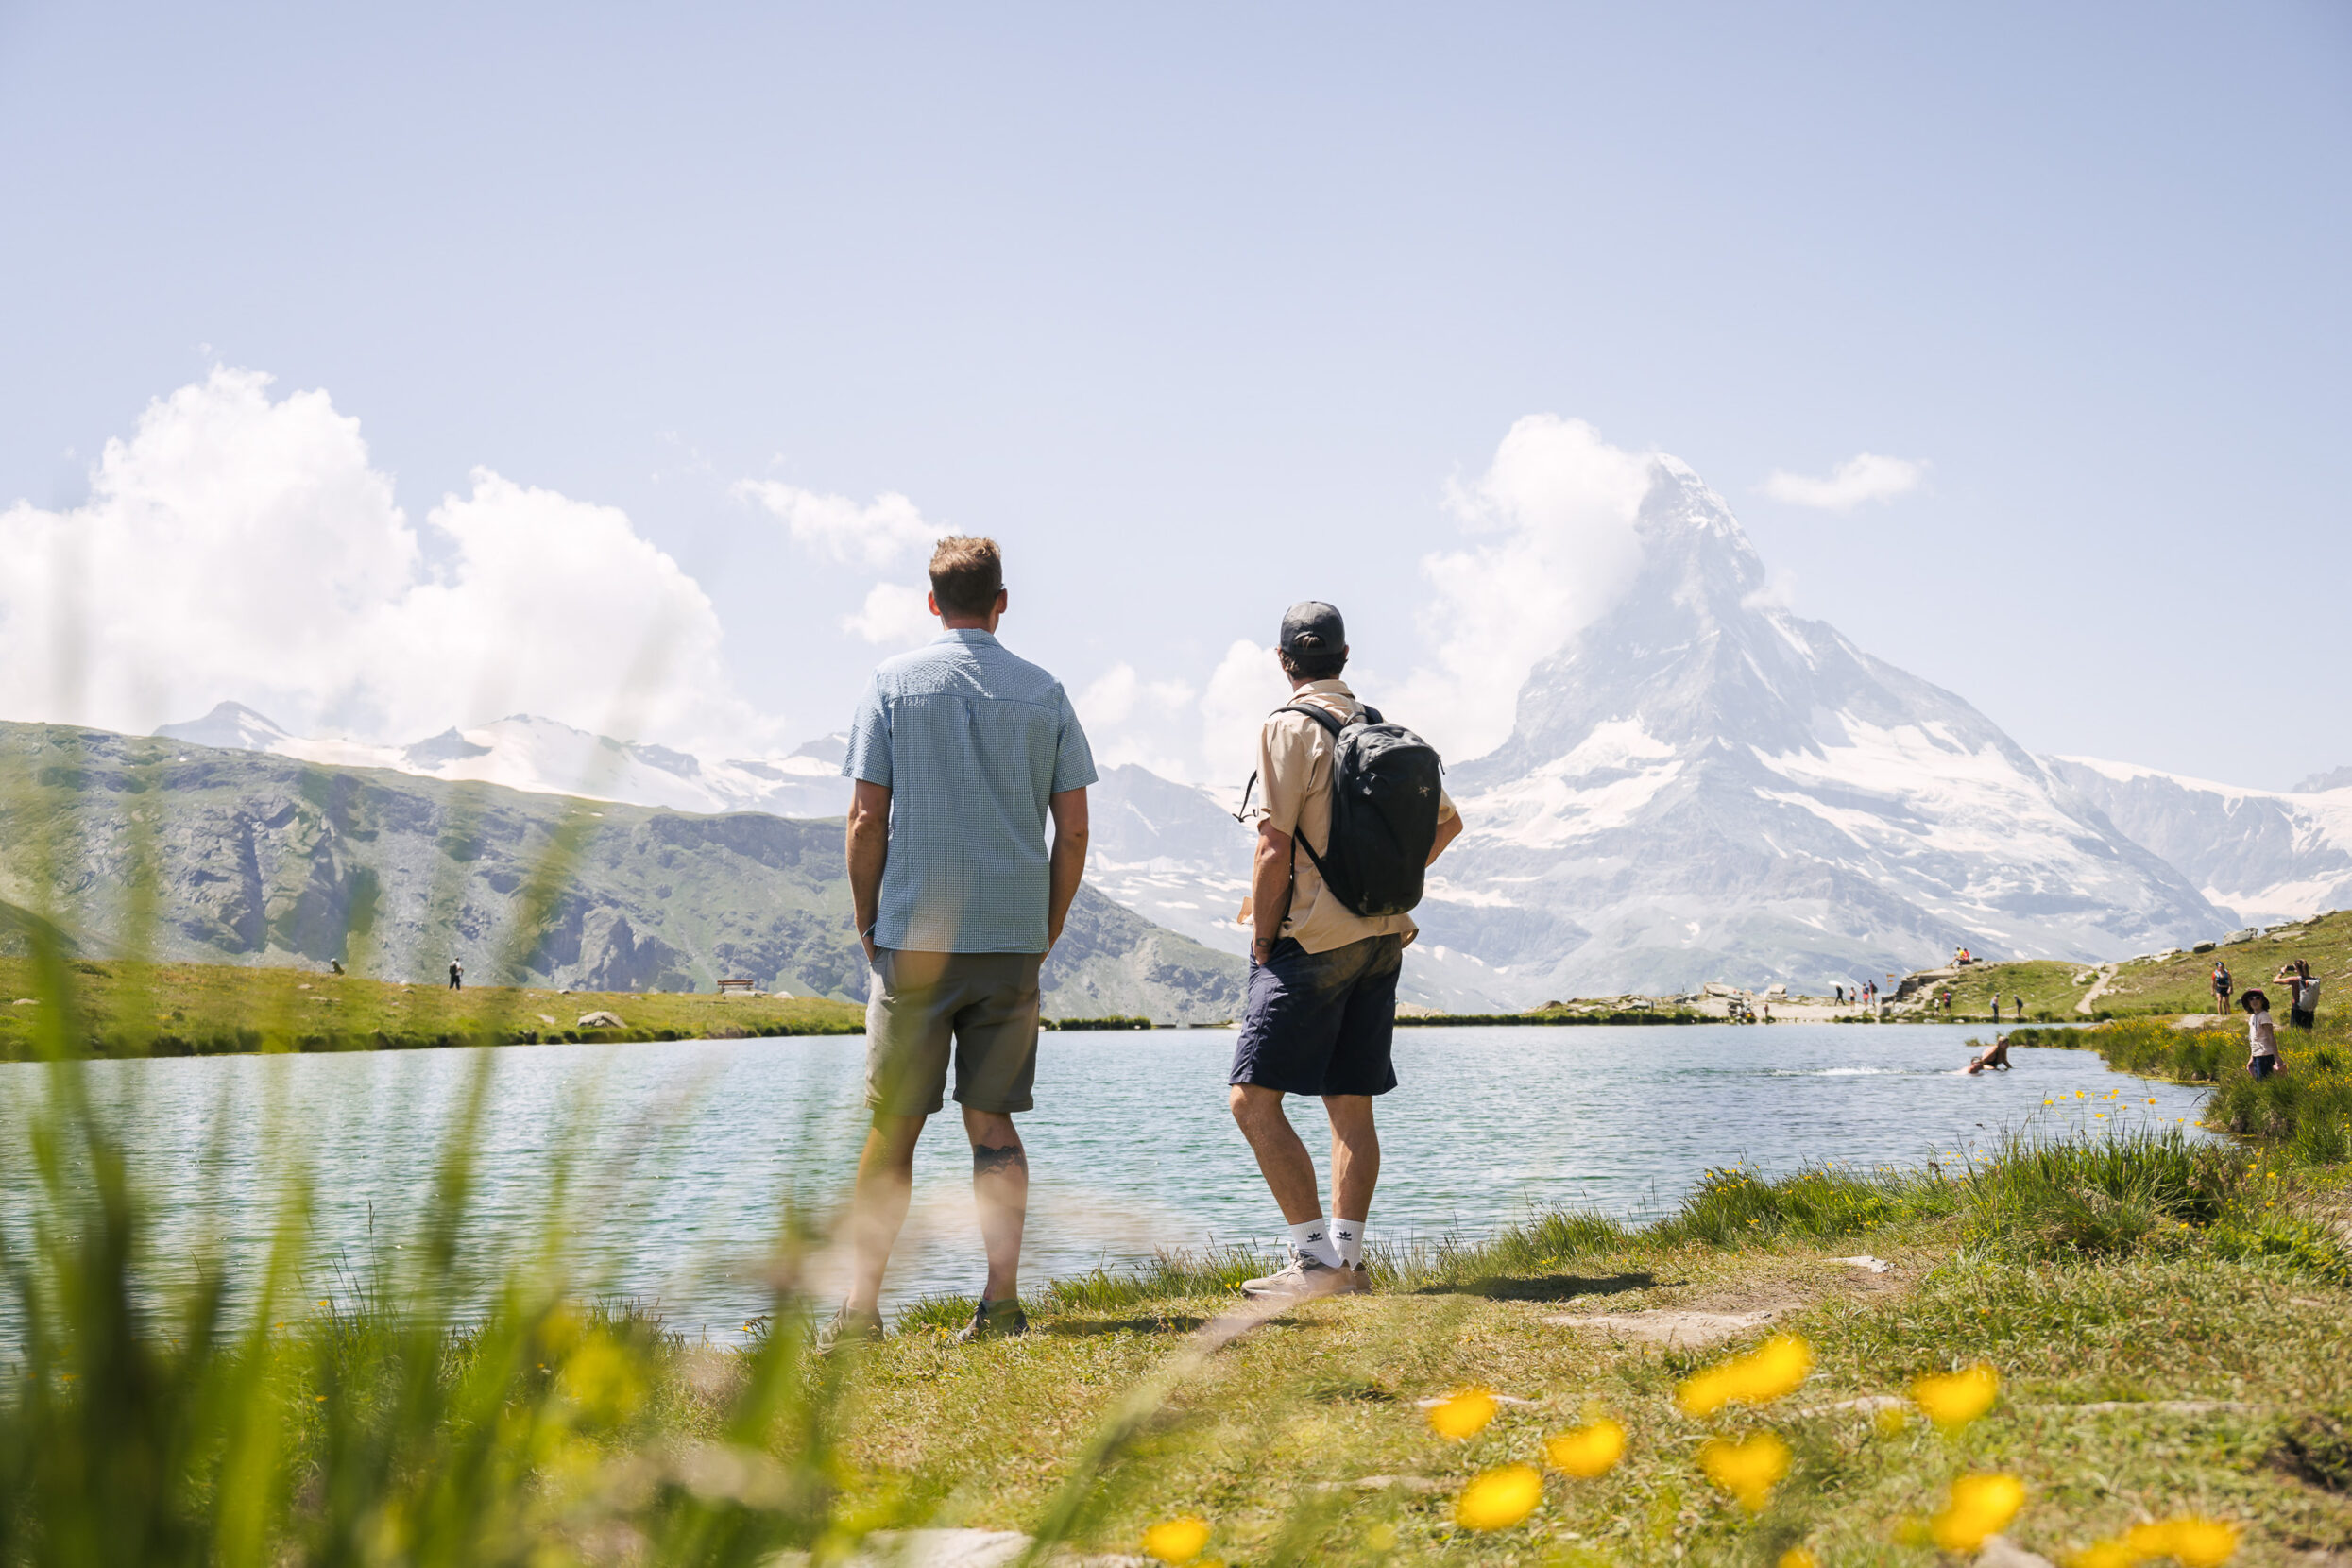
2164, 1317
125, 1007
2170, 985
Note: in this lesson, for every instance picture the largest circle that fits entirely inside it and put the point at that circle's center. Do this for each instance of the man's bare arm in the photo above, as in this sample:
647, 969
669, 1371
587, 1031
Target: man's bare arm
1449, 829
1270, 888
1068, 859
868, 850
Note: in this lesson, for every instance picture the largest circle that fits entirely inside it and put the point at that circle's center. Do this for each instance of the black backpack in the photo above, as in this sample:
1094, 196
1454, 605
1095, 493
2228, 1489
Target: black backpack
1384, 811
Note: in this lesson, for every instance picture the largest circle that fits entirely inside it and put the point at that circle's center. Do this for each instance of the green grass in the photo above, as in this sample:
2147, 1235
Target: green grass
453, 1407
125, 1007
2179, 984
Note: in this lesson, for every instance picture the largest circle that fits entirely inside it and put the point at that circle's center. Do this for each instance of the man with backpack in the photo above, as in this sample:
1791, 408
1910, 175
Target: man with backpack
1355, 812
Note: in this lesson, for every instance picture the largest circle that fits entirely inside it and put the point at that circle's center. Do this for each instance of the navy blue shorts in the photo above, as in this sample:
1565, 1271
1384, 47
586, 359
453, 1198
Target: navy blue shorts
1322, 1023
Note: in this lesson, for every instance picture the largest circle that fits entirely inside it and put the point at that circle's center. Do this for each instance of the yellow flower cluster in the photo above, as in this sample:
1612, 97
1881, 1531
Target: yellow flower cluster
1954, 1400
1772, 1370
1979, 1506
1464, 1414
1748, 1469
1499, 1498
1587, 1450
2189, 1541
1176, 1539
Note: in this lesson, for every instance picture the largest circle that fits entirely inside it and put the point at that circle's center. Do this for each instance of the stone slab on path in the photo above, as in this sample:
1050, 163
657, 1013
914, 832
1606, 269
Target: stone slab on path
1667, 1325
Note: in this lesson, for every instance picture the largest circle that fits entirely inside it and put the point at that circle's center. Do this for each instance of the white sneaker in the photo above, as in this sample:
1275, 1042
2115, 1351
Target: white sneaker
1304, 1276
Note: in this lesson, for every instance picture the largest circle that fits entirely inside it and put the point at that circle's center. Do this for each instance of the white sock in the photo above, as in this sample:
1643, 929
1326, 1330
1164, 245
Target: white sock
1313, 1239
1348, 1236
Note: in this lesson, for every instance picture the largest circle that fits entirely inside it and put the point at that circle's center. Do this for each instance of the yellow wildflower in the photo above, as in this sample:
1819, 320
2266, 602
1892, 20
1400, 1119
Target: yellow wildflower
1587, 1450
1953, 1402
1176, 1539
1796, 1557
1499, 1498
1980, 1505
1748, 1470
2190, 1541
1772, 1369
1463, 1415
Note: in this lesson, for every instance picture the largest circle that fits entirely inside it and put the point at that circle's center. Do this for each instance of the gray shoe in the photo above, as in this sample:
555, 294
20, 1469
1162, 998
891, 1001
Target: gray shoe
1360, 1284
1304, 1276
993, 1320
857, 1327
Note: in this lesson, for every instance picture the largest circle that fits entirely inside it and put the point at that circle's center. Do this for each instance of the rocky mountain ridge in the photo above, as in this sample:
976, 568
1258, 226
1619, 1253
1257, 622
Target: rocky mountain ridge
187, 851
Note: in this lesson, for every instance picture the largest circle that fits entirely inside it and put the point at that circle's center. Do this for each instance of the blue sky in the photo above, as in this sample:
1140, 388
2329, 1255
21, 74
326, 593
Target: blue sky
1199, 311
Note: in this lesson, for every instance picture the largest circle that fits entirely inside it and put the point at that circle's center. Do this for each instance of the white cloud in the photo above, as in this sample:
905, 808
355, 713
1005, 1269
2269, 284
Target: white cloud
894, 613
1129, 719
1865, 476
1557, 508
237, 547
836, 527
1247, 685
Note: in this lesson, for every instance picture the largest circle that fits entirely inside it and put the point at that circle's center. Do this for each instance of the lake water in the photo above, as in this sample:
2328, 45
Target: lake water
686, 1152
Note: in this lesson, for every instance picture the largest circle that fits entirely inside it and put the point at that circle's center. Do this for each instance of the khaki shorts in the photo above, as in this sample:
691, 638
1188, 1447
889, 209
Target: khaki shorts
987, 1002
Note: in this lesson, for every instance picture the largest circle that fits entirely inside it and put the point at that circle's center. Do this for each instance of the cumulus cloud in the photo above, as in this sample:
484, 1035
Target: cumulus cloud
895, 614
1247, 685
837, 528
1552, 520
237, 546
1865, 476
1129, 719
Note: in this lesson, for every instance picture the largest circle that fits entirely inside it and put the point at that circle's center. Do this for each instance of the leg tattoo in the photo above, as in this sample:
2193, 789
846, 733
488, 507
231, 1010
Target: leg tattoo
986, 1160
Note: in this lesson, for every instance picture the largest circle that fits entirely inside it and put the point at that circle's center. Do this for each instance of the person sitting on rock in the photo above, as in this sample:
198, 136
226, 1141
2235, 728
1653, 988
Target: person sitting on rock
1997, 1056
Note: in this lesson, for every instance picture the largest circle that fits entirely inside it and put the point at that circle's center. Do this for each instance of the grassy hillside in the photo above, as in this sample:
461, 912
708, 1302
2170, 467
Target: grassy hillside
2178, 983
127, 1008
156, 849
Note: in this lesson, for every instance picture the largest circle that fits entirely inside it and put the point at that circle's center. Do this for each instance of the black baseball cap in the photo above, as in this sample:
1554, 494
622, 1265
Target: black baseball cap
1311, 626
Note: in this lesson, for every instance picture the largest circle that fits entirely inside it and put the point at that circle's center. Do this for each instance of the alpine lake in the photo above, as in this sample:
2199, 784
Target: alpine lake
674, 1165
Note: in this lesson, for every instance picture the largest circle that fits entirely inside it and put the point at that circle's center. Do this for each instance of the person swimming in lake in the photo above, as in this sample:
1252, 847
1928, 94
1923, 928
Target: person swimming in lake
1997, 1056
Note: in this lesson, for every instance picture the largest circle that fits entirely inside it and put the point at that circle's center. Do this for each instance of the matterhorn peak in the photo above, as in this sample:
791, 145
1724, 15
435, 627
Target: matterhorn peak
1701, 785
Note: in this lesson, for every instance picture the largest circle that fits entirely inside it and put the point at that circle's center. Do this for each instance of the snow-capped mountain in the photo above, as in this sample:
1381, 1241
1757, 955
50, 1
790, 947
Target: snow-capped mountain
543, 757
1699, 786
2264, 855
1702, 786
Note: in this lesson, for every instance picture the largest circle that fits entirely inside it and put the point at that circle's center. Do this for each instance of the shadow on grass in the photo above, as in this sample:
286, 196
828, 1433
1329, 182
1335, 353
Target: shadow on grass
1546, 1288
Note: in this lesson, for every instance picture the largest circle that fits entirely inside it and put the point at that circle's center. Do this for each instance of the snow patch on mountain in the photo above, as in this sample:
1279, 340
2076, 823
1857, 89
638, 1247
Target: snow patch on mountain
2264, 854
543, 757
1701, 785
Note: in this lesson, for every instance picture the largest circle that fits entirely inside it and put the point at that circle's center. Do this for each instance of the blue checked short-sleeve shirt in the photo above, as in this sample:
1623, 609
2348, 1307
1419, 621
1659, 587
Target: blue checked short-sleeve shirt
971, 742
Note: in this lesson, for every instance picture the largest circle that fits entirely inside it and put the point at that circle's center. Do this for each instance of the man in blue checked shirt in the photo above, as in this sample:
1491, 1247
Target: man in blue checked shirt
961, 752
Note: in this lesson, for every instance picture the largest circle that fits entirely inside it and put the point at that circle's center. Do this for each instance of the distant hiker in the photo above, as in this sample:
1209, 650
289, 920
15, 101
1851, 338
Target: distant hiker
1996, 1007
2221, 988
960, 752
2019, 1011
1329, 935
1841, 994
1997, 1057
2262, 1040
457, 976
2302, 994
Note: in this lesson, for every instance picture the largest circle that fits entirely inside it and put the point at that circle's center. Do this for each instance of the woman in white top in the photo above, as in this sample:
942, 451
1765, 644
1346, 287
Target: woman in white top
2261, 1038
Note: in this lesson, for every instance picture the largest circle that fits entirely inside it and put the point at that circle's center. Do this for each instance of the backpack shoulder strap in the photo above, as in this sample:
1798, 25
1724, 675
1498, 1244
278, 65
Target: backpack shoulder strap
1318, 715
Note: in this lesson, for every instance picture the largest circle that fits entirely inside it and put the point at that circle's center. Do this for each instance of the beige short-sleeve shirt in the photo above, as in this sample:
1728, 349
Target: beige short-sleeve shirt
1294, 768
